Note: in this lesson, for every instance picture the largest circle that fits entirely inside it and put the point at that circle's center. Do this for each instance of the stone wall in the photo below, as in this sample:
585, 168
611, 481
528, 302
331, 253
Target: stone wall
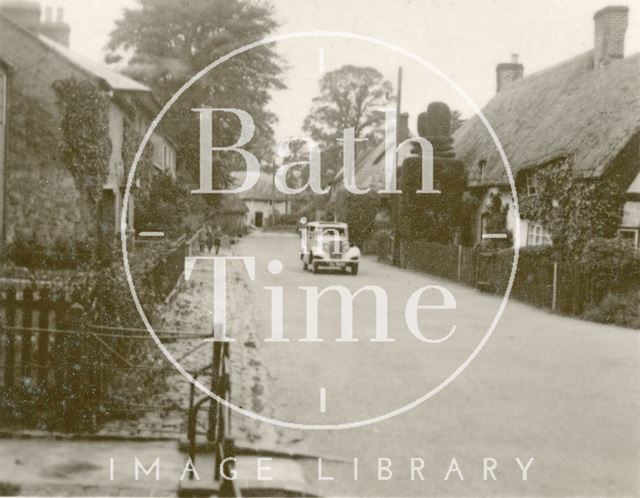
41, 199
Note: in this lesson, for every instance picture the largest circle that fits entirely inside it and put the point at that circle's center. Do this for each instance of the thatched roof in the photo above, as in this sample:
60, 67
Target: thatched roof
571, 109
369, 166
113, 79
264, 190
232, 204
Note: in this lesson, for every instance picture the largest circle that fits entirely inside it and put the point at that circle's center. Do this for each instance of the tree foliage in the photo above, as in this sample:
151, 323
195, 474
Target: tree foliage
359, 212
169, 41
349, 98
162, 206
430, 216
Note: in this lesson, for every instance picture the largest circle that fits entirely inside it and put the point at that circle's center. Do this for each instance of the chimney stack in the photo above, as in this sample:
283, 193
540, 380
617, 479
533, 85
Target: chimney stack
25, 13
507, 72
56, 30
610, 26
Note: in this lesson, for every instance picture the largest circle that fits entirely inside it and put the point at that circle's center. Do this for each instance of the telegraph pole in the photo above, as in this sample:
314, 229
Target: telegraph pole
398, 104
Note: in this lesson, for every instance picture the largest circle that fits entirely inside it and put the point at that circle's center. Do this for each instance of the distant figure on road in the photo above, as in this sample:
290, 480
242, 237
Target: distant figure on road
209, 239
202, 239
217, 239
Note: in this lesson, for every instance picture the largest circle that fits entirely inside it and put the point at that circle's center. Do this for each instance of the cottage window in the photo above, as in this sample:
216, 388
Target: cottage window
531, 183
629, 236
482, 165
3, 97
537, 235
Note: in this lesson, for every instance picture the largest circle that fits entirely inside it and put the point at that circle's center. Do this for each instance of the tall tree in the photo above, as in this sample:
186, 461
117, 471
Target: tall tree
168, 41
349, 98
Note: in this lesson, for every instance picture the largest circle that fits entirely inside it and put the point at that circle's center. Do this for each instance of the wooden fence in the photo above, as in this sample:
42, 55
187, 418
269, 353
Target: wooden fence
59, 371
34, 330
539, 280
44, 360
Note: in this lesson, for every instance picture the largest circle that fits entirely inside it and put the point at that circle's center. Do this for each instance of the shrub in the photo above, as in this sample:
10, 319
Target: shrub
63, 254
9, 489
161, 206
359, 212
609, 256
612, 263
617, 309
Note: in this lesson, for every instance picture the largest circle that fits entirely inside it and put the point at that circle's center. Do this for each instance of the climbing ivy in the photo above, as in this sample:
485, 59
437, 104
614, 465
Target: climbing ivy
575, 210
132, 138
85, 145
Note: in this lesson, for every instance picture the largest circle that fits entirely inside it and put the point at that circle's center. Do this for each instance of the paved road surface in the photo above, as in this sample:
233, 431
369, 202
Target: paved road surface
560, 390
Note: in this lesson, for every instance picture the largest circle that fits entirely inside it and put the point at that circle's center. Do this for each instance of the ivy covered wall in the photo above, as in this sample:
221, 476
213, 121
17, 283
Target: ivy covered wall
42, 201
574, 209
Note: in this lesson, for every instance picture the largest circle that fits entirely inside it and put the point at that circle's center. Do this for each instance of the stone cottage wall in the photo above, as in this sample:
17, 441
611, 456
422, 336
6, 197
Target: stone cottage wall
41, 199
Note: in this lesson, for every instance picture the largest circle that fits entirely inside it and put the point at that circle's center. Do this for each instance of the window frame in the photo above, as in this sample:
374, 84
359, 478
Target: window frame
530, 183
482, 164
636, 235
538, 235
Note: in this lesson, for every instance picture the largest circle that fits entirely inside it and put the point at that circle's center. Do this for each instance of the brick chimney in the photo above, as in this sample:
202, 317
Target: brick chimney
507, 72
56, 30
610, 27
25, 13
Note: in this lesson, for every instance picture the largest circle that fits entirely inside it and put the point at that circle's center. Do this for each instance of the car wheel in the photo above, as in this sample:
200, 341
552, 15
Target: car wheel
304, 265
354, 269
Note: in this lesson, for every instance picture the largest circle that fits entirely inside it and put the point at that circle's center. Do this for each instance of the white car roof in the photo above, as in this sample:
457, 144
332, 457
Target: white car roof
326, 224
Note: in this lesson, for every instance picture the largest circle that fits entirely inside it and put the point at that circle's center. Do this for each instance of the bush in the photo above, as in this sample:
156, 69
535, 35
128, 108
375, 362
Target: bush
61, 255
161, 205
617, 309
359, 212
609, 256
110, 289
9, 489
613, 263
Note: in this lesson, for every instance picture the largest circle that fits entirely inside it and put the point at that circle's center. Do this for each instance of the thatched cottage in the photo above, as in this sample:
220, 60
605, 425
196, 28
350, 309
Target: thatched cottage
584, 111
263, 200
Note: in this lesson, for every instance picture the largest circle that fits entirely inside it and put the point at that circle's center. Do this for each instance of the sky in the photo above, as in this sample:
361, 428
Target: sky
462, 39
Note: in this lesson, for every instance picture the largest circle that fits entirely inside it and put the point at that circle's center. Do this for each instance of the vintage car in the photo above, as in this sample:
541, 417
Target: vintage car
325, 244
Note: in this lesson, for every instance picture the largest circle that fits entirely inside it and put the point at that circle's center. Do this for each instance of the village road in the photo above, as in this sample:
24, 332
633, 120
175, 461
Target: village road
562, 391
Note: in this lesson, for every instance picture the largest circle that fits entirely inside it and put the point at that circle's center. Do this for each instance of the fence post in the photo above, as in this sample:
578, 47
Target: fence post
10, 351
215, 389
76, 356
554, 292
60, 340
459, 262
27, 323
43, 337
